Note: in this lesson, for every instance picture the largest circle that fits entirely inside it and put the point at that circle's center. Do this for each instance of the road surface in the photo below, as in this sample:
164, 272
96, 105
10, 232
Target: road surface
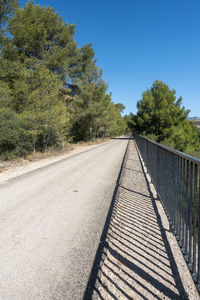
51, 221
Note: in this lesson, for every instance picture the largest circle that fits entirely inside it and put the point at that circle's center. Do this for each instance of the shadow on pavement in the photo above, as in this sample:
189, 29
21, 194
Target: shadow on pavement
103, 243
134, 259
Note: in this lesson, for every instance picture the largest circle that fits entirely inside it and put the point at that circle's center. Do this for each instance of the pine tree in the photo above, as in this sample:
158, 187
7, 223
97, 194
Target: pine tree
162, 117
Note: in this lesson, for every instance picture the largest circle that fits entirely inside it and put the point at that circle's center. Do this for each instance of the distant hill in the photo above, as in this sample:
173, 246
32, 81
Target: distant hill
193, 118
195, 121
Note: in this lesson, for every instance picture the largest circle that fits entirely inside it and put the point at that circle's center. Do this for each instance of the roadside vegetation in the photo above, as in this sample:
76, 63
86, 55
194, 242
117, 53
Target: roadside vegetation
162, 117
51, 91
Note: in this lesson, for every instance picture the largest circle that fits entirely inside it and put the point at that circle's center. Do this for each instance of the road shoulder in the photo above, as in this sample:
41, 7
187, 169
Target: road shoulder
24, 166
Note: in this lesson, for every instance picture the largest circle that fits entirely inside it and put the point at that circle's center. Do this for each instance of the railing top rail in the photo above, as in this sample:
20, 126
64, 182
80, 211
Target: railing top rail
179, 153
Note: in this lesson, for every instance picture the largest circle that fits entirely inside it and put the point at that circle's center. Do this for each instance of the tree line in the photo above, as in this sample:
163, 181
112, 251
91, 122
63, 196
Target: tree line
51, 91
162, 117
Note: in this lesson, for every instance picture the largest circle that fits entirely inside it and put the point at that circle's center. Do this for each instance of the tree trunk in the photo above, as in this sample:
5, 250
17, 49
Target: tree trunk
45, 141
96, 131
104, 132
90, 131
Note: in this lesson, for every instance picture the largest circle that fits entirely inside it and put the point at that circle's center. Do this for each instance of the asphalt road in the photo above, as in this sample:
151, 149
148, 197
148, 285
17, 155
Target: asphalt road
51, 221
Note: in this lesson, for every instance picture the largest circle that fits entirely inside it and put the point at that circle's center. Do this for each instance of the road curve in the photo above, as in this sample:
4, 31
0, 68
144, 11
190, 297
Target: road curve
51, 221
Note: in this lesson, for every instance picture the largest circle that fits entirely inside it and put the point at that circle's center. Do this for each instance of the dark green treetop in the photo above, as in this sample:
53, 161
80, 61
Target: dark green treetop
40, 35
161, 116
7, 7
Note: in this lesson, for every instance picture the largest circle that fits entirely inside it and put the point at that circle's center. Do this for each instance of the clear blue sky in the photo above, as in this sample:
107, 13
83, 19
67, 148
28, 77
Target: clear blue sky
139, 41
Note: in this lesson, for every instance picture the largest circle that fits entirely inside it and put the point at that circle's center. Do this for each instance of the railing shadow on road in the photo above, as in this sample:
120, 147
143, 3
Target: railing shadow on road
134, 258
103, 243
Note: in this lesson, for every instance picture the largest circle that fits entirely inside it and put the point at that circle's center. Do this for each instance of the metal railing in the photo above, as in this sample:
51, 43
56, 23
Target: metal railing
176, 177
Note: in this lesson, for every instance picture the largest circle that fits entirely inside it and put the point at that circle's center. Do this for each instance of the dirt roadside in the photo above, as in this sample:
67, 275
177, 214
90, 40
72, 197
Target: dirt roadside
14, 168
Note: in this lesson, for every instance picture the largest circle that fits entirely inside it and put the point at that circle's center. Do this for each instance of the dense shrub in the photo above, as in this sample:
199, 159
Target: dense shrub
14, 141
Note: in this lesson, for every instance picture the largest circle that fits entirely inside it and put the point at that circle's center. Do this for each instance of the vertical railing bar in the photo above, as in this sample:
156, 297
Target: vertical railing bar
195, 224
181, 201
190, 216
187, 213
174, 189
184, 209
176, 193
167, 196
163, 175
198, 268
147, 154
172, 186
158, 169
177, 200
166, 186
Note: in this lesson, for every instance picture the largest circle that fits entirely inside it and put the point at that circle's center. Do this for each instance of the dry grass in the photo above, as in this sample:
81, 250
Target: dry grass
49, 153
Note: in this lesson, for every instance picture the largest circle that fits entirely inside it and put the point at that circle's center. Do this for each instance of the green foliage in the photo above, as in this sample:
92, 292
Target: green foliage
130, 123
5, 95
14, 140
83, 68
7, 7
44, 112
18, 79
183, 137
50, 90
94, 115
162, 116
40, 35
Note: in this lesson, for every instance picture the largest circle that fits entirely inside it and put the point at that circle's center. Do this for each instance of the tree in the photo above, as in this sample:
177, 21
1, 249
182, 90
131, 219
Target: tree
7, 7
83, 68
44, 113
5, 95
49, 84
14, 140
115, 125
41, 36
87, 109
130, 123
94, 115
17, 80
162, 117
183, 137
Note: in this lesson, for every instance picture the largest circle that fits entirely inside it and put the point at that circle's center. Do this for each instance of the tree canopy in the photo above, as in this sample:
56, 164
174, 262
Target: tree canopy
7, 8
162, 116
51, 88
